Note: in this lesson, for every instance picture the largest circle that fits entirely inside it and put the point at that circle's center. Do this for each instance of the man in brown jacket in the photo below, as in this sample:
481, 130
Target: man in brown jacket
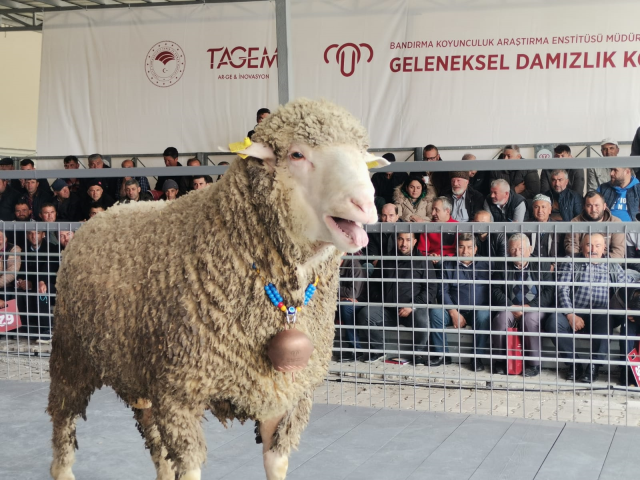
595, 210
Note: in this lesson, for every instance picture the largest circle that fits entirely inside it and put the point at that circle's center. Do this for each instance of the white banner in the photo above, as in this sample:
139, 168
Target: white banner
136, 80
415, 72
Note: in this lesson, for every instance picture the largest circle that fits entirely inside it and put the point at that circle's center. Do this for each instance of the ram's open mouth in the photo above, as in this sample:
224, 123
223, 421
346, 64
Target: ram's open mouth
353, 231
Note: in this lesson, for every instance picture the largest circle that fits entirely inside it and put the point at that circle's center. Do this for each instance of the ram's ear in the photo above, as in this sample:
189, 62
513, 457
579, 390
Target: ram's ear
374, 161
247, 148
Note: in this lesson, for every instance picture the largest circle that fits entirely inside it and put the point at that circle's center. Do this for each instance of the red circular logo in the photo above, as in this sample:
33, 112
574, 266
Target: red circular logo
165, 64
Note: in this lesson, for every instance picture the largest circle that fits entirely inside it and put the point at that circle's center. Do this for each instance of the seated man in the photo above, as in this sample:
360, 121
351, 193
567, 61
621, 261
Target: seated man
545, 244
460, 299
350, 291
417, 294
434, 243
201, 181
22, 212
66, 203
565, 203
39, 277
134, 193
505, 205
525, 292
95, 209
585, 285
143, 182
595, 210
48, 214
465, 200
489, 246
96, 195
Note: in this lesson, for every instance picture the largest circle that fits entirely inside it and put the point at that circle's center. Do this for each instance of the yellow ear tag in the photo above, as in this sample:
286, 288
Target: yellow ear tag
240, 146
373, 164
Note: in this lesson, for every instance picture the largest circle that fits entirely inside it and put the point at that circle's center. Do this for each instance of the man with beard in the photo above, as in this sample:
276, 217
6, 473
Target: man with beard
622, 193
465, 200
597, 176
565, 203
418, 294
595, 210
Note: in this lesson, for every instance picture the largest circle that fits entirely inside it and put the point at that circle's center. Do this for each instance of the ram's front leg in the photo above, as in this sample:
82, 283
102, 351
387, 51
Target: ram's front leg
280, 435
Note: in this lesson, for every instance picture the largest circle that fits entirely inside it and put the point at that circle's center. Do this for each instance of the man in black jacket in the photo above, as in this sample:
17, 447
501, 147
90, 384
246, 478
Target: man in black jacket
170, 156
464, 199
504, 204
8, 199
489, 245
527, 293
418, 294
565, 203
38, 281
36, 197
522, 182
67, 203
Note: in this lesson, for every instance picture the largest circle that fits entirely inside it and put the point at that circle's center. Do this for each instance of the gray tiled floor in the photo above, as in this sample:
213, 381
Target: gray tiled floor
340, 442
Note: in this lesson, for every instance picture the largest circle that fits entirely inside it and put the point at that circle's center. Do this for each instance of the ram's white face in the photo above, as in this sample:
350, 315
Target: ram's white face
331, 192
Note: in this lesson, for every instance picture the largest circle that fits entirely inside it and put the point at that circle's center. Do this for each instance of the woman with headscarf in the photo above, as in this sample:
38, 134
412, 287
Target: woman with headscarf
413, 199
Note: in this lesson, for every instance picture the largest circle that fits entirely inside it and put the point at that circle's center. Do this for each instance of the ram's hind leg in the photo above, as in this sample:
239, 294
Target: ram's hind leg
72, 383
181, 432
149, 430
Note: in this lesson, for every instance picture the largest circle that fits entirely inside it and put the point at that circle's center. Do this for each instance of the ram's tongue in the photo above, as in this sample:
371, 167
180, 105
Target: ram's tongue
357, 233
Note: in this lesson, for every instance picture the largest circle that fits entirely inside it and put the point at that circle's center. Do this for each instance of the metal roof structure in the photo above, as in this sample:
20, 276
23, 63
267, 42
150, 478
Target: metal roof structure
28, 15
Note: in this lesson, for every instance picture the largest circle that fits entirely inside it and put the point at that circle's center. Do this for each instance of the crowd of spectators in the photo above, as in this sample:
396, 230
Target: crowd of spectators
31, 258
485, 294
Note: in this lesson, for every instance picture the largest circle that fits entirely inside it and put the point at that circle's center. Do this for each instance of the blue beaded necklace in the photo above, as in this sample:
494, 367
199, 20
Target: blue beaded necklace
276, 299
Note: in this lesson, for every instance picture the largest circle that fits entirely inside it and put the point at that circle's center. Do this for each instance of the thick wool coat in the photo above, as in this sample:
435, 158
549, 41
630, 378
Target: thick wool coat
159, 299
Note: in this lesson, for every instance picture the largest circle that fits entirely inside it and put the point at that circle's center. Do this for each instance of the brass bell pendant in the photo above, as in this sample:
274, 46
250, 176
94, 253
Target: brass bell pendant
289, 350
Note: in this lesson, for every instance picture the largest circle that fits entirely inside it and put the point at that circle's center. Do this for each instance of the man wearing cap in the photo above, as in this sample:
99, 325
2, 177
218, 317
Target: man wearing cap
170, 156
545, 244
565, 203
170, 189
8, 199
109, 184
598, 176
622, 194
465, 200
96, 196
67, 203
385, 183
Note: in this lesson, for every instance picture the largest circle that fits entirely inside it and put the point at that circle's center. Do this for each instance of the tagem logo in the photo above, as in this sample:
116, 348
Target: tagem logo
165, 64
348, 56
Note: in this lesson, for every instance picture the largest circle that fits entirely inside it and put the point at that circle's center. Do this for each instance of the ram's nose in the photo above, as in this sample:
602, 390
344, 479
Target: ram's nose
365, 209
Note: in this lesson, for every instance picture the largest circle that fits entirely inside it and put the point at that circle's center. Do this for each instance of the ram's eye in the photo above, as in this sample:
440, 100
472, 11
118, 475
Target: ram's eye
296, 156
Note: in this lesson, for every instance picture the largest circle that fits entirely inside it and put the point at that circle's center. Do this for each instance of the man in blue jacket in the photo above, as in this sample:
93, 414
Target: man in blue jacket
459, 299
622, 194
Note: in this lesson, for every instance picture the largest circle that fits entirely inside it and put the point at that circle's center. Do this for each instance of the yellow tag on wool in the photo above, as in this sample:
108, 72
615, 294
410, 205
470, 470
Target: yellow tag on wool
239, 146
374, 164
